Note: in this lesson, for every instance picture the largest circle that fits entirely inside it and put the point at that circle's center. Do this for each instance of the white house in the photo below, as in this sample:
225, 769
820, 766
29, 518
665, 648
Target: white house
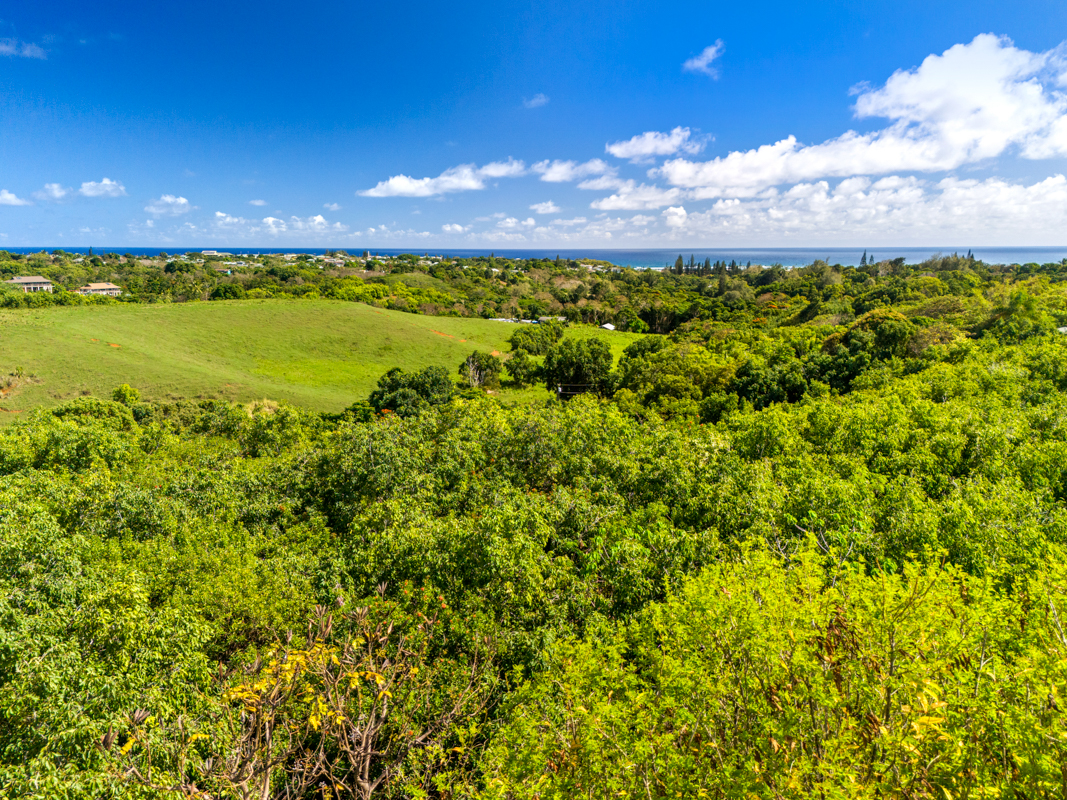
109, 289
31, 283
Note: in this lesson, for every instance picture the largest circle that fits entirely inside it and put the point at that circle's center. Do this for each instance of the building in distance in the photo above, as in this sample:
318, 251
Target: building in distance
109, 289
31, 283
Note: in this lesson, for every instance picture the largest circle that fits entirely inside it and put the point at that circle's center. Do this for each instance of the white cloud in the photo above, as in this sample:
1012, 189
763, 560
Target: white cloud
631, 196
466, 177
257, 202
547, 207
536, 101
316, 224
512, 222
169, 205
973, 102
105, 188
605, 183
53, 191
499, 236
650, 144
675, 217
561, 171
574, 231
9, 199
331, 206
703, 62
274, 225
895, 210
313, 227
453, 227
384, 232
13, 47
224, 219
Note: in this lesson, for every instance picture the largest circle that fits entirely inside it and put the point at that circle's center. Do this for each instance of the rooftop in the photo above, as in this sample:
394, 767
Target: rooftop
28, 279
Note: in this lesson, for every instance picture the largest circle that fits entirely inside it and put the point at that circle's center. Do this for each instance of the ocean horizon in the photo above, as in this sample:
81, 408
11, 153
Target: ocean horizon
652, 258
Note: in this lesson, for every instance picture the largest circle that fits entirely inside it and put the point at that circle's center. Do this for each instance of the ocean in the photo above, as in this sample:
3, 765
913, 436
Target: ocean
652, 259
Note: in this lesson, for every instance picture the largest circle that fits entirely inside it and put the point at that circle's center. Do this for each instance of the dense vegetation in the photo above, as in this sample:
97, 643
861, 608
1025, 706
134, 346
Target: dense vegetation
809, 543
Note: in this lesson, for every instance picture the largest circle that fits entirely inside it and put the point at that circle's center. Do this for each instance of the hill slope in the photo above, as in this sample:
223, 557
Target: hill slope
319, 354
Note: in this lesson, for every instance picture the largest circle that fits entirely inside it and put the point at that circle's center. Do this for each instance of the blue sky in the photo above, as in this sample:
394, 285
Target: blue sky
512, 124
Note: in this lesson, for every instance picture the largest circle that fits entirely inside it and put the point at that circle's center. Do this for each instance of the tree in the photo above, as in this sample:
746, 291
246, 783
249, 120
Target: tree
573, 367
863, 259
407, 394
480, 370
536, 339
521, 368
679, 265
228, 291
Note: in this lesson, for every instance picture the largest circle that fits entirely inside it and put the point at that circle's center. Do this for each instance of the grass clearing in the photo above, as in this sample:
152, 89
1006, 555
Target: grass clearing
320, 354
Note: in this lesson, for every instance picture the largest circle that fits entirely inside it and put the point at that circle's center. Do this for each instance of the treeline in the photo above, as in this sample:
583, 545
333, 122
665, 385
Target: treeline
490, 287
820, 559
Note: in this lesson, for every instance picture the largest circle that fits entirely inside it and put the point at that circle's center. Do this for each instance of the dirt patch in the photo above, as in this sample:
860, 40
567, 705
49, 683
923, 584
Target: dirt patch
10, 384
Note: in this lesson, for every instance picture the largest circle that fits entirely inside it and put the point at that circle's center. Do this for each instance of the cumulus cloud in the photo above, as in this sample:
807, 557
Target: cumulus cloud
13, 47
54, 192
464, 178
703, 62
605, 183
536, 101
313, 227
453, 227
512, 222
675, 217
973, 102
547, 207
384, 232
332, 206
10, 199
274, 226
562, 171
257, 202
895, 209
631, 196
314, 224
169, 205
650, 144
224, 219
105, 188
602, 229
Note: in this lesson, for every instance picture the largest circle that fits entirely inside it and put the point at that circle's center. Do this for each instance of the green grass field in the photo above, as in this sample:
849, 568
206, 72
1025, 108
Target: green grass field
319, 354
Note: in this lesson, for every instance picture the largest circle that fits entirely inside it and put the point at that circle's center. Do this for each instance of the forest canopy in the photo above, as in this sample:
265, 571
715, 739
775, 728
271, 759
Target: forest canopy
807, 540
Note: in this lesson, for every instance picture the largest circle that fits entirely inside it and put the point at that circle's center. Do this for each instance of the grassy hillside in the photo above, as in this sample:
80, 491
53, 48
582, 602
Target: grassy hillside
319, 354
